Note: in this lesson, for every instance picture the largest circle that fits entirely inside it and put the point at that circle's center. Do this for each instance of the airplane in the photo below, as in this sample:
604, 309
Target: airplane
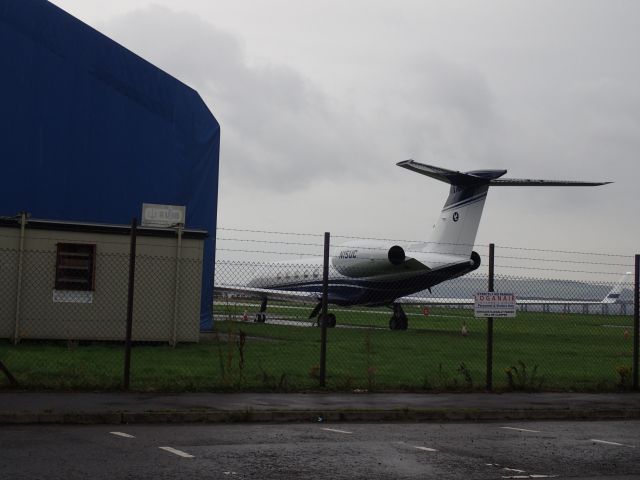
380, 273
610, 298
614, 295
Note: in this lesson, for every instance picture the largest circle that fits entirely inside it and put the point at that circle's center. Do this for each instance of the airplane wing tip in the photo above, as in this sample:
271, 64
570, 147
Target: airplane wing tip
402, 163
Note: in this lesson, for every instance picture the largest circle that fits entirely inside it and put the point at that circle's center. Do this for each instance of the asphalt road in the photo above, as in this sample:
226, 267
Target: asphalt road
586, 450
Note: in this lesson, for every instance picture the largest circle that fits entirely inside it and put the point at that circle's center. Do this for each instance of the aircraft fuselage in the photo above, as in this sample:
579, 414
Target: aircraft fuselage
408, 277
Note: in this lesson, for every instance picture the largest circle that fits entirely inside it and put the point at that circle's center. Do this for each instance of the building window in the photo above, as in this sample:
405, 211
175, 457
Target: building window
75, 266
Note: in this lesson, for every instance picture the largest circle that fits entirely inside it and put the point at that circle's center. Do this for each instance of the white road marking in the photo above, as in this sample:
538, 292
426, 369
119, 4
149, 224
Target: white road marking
507, 469
180, 453
426, 449
521, 429
531, 476
122, 434
612, 443
337, 431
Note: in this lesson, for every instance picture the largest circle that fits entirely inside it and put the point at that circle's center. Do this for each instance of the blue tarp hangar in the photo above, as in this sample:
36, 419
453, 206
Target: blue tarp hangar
90, 130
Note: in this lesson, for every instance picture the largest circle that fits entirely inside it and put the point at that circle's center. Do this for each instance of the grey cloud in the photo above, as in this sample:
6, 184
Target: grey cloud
279, 131
538, 115
449, 115
542, 88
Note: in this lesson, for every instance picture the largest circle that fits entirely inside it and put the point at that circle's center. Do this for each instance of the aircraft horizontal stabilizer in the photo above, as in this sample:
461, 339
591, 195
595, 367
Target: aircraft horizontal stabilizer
517, 182
487, 177
450, 176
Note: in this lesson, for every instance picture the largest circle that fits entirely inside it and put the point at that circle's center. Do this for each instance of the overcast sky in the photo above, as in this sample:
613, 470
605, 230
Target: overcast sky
318, 100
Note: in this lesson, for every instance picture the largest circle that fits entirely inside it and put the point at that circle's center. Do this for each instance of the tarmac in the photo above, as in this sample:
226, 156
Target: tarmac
27, 407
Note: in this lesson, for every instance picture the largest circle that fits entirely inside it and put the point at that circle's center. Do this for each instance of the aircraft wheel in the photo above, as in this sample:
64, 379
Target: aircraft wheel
331, 320
399, 322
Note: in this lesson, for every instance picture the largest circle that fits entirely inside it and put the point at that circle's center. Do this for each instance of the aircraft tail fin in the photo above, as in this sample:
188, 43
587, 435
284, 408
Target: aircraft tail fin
614, 295
455, 231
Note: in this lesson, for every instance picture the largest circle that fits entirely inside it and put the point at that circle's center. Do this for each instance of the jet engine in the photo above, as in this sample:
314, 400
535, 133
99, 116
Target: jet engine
362, 259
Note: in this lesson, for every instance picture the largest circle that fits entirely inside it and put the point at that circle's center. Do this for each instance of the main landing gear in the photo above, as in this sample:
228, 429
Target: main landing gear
315, 313
399, 319
261, 316
331, 320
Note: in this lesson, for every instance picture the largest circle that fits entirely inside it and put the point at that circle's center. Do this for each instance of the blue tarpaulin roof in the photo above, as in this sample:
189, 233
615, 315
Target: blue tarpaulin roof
90, 130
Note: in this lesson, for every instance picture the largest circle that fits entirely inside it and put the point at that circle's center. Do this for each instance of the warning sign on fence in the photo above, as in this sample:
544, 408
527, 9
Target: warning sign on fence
494, 304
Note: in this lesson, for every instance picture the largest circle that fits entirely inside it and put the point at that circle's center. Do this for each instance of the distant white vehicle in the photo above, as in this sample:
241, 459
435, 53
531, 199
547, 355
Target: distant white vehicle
378, 273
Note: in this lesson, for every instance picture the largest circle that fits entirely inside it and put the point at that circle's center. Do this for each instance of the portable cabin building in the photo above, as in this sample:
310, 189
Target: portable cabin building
70, 281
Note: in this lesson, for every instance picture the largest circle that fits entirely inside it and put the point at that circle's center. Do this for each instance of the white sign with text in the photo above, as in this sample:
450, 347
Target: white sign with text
494, 304
154, 215
72, 296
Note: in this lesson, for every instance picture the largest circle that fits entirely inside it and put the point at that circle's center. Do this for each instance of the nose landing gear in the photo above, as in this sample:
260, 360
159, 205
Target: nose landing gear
261, 316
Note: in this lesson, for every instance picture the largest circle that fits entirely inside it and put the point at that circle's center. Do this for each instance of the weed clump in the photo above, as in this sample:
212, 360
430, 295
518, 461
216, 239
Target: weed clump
520, 379
624, 376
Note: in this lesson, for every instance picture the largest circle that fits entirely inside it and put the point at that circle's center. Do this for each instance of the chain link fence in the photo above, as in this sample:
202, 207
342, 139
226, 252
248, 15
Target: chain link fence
572, 331
552, 344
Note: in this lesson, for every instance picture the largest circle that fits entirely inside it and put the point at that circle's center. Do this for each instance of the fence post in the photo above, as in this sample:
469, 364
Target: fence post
132, 273
176, 292
636, 322
490, 324
7, 373
323, 314
16, 330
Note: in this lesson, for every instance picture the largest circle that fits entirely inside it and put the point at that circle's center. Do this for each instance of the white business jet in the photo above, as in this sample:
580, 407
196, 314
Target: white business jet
379, 273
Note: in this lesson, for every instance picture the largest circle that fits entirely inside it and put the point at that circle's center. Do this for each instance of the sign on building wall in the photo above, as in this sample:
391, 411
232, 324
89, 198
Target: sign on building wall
155, 215
72, 296
494, 304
